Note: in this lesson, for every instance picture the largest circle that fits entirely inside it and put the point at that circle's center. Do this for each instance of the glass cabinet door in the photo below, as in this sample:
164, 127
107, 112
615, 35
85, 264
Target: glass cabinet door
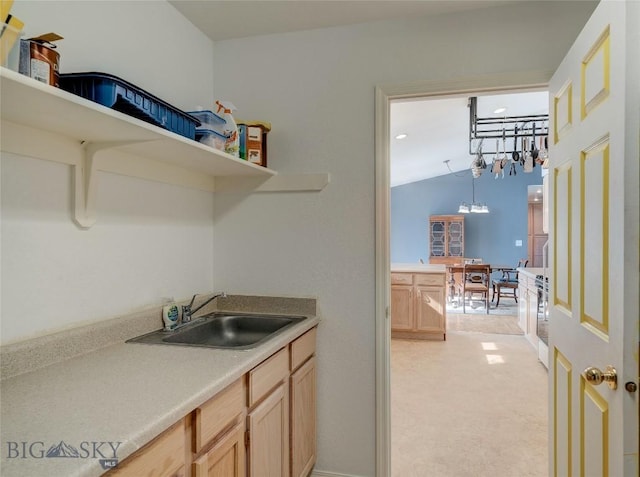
446, 238
456, 239
437, 239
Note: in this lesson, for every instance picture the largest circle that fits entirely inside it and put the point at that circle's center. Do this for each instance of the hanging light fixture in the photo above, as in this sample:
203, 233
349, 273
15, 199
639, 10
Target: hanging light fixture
474, 207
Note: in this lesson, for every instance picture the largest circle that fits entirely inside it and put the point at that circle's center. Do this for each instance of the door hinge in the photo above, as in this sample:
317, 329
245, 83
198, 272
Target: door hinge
247, 439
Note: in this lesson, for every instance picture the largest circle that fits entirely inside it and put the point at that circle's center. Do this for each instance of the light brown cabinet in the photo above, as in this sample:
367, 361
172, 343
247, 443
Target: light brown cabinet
303, 404
268, 418
402, 307
162, 457
430, 311
446, 239
218, 433
226, 458
418, 305
268, 442
262, 425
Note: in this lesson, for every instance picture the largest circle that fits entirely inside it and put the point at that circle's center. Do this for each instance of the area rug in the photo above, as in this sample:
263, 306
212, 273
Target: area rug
501, 320
477, 307
496, 324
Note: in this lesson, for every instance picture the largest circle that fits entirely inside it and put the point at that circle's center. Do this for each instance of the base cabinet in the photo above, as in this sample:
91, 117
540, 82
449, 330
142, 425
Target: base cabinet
268, 444
528, 307
430, 311
162, 457
418, 308
532, 317
262, 425
226, 458
402, 307
303, 419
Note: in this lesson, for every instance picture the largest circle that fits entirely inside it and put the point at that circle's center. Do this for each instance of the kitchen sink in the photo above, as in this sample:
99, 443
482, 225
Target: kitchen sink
223, 330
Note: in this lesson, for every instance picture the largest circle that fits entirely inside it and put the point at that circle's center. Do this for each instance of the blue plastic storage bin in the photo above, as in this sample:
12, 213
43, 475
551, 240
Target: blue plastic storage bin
115, 93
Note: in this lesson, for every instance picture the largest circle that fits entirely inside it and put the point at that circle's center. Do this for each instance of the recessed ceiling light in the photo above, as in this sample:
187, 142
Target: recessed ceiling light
500, 110
401, 136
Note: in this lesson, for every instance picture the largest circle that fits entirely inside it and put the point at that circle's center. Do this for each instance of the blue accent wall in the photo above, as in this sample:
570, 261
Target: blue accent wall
489, 236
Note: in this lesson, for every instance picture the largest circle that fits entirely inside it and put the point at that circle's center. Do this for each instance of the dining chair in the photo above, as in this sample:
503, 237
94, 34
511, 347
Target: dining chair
508, 281
475, 280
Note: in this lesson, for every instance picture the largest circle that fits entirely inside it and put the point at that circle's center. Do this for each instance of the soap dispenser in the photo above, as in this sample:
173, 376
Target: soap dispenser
170, 314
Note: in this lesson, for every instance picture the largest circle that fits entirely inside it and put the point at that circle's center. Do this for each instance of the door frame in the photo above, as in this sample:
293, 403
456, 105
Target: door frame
521, 81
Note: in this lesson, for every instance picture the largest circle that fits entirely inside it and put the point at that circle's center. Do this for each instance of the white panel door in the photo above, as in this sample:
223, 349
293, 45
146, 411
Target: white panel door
594, 111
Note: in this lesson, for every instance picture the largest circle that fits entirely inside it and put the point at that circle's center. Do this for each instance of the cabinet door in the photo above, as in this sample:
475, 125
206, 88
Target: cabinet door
429, 314
162, 457
523, 307
437, 238
269, 435
402, 307
455, 239
532, 316
303, 419
225, 459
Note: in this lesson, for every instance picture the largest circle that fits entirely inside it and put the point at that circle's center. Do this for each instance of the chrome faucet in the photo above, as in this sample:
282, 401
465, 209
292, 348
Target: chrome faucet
187, 312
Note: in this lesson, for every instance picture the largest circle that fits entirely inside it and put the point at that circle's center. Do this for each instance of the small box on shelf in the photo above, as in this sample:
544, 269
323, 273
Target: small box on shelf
253, 141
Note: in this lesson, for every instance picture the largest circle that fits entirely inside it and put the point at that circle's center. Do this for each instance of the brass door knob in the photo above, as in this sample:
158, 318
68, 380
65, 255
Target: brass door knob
595, 376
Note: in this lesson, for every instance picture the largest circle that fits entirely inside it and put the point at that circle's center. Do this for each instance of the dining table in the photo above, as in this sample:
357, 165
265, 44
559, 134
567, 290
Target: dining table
454, 276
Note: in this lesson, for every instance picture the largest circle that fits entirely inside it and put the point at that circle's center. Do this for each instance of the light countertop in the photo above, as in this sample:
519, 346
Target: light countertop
418, 268
532, 272
127, 393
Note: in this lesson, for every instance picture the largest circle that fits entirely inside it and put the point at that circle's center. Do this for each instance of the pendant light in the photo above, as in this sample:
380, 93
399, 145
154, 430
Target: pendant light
474, 207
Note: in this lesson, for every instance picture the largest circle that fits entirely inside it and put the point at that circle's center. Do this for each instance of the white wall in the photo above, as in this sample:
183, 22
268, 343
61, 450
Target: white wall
151, 240
148, 43
317, 88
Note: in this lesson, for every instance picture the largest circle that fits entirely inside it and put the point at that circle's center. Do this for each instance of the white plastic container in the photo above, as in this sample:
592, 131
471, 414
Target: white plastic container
170, 315
209, 120
211, 139
225, 110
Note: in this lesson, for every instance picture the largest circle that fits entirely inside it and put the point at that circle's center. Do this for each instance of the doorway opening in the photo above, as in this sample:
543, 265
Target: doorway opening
384, 97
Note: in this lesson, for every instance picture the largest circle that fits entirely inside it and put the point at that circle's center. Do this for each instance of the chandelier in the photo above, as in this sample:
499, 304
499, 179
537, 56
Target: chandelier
474, 207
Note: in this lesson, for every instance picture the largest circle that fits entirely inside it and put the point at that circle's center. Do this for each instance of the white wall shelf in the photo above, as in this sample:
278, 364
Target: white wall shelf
49, 123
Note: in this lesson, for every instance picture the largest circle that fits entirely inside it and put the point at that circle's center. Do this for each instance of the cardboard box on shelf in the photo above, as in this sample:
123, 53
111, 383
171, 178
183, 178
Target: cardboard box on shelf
253, 141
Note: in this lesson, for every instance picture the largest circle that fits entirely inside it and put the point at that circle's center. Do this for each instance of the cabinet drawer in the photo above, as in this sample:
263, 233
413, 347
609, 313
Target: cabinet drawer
267, 375
164, 456
429, 279
217, 414
401, 279
303, 348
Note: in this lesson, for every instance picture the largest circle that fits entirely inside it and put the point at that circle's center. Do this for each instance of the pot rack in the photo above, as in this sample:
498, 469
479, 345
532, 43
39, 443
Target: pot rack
507, 128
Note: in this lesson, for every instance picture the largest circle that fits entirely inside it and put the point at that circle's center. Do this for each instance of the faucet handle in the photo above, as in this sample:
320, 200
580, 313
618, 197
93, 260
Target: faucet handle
186, 313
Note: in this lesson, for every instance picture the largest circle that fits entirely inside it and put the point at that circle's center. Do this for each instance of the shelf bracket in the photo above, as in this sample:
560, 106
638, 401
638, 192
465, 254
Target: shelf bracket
85, 179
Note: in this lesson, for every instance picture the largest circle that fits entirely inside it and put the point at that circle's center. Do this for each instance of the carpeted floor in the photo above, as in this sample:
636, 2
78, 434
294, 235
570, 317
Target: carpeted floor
474, 405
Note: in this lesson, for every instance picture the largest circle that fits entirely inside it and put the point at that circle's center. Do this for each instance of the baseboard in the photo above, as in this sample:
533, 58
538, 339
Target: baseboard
322, 473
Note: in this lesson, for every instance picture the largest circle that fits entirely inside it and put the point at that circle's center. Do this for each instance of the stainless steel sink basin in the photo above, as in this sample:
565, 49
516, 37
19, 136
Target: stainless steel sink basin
223, 330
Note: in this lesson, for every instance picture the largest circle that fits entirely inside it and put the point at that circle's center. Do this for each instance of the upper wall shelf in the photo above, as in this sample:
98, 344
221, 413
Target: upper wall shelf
32, 103
48, 123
